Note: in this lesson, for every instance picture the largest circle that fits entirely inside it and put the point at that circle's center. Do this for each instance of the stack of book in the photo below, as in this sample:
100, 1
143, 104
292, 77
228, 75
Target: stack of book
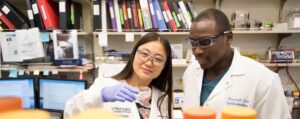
142, 15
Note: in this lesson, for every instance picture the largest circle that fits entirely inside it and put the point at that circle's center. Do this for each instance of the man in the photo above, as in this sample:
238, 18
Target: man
222, 77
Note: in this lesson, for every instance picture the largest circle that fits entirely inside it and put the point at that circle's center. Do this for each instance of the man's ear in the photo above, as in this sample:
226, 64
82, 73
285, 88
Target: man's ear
229, 39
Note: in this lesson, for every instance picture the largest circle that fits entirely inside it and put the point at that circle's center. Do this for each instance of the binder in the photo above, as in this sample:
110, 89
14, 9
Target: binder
172, 10
165, 16
160, 20
49, 15
169, 15
112, 15
179, 15
182, 16
134, 15
76, 16
64, 14
126, 21
14, 15
191, 9
38, 20
6, 22
189, 12
30, 14
129, 15
185, 13
2, 26
103, 16
117, 14
121, 13
96, 15
139, 13
152, 14
146, 14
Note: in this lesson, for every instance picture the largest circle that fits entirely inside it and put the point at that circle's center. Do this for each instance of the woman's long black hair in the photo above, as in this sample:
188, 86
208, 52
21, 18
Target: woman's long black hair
164, 81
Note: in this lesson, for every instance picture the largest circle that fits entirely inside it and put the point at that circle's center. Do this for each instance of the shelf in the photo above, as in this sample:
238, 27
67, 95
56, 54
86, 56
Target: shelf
142, 33
181, 65
80, 69
266, 64
265, 31
282, 64
97, 63
234, 32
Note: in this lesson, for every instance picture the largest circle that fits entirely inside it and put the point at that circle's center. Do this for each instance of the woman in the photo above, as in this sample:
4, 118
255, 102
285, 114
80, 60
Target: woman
150, 65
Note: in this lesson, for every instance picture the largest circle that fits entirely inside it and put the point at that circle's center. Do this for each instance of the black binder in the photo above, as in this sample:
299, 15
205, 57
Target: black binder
97, 14
38, 20
30, 14
76, 16
14, 15
64, 14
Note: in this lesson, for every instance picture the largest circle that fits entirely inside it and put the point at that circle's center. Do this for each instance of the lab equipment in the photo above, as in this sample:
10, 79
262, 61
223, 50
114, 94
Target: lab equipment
240, 20
280, 56
294, 19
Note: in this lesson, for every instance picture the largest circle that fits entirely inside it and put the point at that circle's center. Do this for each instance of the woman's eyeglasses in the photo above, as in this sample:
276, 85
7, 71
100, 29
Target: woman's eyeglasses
205, 42
146, 56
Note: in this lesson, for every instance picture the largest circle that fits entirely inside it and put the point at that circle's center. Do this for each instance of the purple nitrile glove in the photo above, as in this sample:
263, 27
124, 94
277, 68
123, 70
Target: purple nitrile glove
119, 92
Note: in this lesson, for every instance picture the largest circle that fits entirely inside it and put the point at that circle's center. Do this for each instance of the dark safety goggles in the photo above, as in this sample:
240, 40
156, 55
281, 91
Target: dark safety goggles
204, 42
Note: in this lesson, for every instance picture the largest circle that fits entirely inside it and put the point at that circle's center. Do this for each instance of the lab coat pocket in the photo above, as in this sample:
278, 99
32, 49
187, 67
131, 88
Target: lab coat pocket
125, 110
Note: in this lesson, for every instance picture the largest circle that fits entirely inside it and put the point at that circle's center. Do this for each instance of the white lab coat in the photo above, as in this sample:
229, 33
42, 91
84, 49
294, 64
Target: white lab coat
91, 99
246, 83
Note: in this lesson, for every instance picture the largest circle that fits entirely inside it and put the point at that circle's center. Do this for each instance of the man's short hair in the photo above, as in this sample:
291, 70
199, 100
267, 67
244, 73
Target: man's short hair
221, 20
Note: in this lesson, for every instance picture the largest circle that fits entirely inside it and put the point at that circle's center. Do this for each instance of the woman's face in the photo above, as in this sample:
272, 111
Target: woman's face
149, 61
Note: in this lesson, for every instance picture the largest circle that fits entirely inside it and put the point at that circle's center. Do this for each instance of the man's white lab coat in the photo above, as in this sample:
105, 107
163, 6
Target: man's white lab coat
91, 99
246, 83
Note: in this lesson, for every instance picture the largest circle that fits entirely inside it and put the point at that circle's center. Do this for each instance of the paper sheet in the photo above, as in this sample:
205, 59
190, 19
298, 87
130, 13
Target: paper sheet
30, 44
9, 47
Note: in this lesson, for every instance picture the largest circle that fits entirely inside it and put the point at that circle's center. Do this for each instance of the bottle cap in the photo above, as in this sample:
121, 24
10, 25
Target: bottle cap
199, 113
10, 103
238, 112
25, 114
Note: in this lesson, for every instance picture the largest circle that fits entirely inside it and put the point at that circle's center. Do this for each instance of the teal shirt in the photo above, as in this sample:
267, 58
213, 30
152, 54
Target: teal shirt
209, 85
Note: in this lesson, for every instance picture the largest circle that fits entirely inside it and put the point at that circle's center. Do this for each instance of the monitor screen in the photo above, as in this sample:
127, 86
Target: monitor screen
53, 93
23, 88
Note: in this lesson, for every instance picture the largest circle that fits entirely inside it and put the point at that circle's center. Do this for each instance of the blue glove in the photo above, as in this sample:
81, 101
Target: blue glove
119, 92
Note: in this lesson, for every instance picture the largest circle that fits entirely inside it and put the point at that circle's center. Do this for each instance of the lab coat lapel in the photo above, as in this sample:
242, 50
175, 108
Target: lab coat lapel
154, 112
236, 69
199, 73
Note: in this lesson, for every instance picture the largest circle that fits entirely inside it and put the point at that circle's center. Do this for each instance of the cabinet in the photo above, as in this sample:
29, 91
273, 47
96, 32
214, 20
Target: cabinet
249, 41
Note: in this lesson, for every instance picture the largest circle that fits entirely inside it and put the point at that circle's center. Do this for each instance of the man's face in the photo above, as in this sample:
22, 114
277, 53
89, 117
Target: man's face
210, 55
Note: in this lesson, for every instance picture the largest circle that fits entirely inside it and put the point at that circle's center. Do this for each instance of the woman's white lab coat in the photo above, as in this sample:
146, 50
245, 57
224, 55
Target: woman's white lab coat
246, 83
91, 99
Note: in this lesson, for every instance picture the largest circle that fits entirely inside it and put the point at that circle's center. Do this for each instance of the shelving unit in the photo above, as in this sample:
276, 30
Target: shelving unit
79, 69
274, 10
84, 35
233, 31
251, 41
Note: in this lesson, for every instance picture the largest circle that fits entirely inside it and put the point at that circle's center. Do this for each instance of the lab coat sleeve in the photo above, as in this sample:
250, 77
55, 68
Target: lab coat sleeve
87, 98
189, 98
271, 102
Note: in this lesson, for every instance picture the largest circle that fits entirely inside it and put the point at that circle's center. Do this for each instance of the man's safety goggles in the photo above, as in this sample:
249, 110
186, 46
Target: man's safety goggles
206, 41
